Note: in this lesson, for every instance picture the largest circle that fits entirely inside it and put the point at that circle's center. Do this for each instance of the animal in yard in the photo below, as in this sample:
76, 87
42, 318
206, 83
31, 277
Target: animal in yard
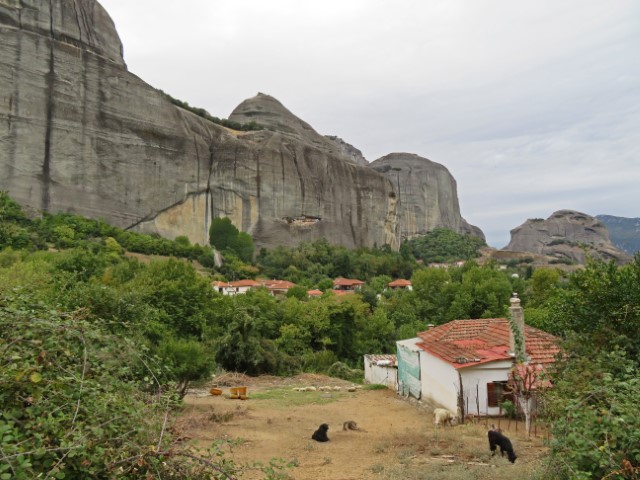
442, 416
320, 435
497, 439
351, 425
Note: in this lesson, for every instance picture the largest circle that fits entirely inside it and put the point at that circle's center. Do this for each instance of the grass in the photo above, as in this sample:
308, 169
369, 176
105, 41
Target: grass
374, 386
285, 397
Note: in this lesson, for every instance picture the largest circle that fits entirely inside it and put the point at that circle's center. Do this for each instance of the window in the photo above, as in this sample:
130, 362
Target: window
497, 392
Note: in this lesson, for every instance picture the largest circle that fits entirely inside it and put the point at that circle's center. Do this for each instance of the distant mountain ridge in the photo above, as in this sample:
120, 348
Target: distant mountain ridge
624, 232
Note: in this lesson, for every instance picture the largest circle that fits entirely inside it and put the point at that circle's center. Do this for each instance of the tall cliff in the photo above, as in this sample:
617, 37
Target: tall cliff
568, 235
427, 192
79, 133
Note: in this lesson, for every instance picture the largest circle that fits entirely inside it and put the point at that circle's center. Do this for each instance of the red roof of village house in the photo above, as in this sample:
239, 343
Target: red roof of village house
401, 282
314, 293
217, 283
465, 343
347, 282
278, 284
244, 283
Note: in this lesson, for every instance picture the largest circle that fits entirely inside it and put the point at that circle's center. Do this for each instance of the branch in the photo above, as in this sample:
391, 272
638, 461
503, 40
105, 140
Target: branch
84, 372
166, 415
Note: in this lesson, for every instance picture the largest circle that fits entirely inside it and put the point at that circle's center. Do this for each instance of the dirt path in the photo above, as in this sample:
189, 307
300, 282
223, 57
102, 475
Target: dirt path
277, 422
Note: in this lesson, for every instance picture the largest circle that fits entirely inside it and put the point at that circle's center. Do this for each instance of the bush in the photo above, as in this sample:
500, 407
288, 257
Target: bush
343, 371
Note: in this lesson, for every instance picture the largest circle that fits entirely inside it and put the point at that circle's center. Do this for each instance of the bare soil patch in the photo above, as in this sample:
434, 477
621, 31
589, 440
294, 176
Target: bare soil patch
398, 439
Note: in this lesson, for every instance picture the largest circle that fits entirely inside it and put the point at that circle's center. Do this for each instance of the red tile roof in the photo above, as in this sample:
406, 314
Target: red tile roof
465, 343
244, 283
314, 293
217, 283
347, 282
401, 282
278, 284
384, 359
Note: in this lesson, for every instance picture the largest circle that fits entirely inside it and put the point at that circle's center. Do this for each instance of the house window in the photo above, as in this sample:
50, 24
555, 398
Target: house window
497, 392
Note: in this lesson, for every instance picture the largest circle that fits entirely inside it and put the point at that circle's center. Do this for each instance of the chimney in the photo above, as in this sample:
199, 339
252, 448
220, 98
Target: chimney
516, 323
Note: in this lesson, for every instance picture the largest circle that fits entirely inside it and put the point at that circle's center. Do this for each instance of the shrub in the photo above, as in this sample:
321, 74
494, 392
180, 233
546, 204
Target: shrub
343, 371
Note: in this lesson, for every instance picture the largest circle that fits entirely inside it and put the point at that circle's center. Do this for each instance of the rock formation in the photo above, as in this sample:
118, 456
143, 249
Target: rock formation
567, 235
427, 192
79, 133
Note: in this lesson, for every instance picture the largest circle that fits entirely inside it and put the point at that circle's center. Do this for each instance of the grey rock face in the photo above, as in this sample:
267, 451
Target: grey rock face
566, 234
79, 133
349, 151
427, 192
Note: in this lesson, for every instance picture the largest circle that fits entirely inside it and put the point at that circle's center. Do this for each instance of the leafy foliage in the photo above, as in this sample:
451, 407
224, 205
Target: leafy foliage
596, 427
443, 245
224, 236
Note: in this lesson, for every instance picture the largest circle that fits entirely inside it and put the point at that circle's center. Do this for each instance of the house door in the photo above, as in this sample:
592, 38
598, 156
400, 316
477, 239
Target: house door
409, 372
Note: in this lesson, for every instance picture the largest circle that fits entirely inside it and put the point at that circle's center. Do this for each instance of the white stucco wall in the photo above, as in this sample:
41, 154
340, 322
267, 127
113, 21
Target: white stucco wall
381, 375
439, 381
480, 375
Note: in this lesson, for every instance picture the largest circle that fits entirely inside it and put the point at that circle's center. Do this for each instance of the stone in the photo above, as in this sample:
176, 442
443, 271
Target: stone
427, 193
79, 133
567, 235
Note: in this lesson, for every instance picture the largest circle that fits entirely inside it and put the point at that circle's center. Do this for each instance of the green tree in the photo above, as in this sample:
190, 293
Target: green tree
542, 286
222, 233
188, 361
433, 293
594, 412
483, 293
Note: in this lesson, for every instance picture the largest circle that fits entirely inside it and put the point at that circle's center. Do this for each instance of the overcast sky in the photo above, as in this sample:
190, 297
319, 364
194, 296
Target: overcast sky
533, 106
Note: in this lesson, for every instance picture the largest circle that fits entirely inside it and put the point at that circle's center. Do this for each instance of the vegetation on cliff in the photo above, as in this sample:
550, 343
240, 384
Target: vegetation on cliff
201, 112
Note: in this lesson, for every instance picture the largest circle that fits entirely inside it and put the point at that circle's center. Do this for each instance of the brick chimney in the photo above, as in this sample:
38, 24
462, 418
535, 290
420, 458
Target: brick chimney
516, 315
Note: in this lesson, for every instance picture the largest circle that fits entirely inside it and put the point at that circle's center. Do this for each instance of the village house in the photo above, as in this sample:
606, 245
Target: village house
276, 288
476, 356
314, 293
235, 288
347, 284
400, 284
381, 370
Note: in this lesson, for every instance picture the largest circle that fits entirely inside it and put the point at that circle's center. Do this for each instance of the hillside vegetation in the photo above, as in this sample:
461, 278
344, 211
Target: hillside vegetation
97, 348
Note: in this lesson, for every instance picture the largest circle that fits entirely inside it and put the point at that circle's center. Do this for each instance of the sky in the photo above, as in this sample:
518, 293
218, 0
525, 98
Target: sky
533, 106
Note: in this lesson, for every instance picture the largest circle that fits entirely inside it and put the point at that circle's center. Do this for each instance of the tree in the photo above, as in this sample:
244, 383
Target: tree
243, 246
483, 293
526, 381
433, 292
593, 409
601, 303
188, 361
222, 233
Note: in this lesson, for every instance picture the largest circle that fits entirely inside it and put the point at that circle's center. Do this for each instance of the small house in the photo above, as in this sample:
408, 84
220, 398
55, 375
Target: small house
347, 284
381, 370
278, 288
473, 358
235, 288
400, 284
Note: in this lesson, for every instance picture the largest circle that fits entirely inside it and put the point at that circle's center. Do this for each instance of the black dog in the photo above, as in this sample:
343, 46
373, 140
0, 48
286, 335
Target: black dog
497, 439
320, 435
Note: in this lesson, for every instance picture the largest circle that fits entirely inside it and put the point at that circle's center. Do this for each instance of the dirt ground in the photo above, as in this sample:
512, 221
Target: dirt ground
397, 437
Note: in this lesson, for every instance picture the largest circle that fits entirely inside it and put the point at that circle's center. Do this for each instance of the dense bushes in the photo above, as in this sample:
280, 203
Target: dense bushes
76, 401
443, 245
